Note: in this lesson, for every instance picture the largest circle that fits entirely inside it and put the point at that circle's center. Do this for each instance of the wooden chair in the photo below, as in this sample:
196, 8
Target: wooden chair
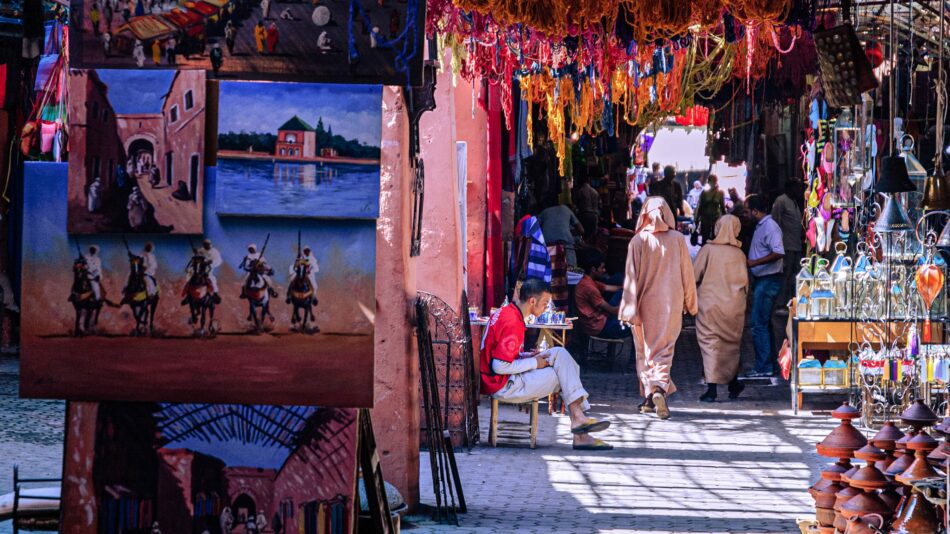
533, 422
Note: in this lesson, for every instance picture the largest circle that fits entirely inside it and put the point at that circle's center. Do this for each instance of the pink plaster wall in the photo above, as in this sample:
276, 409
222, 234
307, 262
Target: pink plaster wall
439, 270
396, 415
473, 130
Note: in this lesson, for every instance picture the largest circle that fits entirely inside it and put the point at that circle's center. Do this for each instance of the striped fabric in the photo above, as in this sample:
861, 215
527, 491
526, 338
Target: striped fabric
530, 259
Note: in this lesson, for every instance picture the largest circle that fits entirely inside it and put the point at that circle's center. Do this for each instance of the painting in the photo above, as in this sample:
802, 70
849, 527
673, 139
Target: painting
140, 468
136, 159
298, 150
256, 310
335, 41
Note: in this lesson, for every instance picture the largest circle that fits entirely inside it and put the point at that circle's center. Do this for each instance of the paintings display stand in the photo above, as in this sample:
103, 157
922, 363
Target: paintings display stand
441, 453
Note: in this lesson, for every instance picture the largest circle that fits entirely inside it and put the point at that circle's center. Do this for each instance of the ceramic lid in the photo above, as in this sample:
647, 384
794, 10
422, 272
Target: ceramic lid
919, 414
869, 478
846, 411
918, 470
899, 465
870, 453
886, 438
842, 441
833, 471
922, 442
864, 504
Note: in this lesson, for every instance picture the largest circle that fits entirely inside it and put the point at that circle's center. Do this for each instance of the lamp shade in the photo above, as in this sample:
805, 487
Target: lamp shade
893, 217
894, 177
936, 193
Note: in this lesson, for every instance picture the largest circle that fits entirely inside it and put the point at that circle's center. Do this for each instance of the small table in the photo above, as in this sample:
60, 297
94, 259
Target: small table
556, 334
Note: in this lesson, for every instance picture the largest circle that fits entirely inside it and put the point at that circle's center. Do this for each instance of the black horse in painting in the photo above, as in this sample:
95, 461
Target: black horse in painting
137, 296
84, 299
199, 297
303, 298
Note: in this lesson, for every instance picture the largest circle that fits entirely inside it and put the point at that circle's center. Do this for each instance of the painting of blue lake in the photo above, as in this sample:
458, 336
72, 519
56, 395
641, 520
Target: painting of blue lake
299, 150
275, 188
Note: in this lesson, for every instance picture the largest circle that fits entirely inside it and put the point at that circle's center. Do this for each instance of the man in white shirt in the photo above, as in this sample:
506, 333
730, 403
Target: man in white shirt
150, 266
213, 257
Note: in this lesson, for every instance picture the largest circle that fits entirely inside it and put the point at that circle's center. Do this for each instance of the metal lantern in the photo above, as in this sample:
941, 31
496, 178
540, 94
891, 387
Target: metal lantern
842, 281
822, 293
848, 159
918, 176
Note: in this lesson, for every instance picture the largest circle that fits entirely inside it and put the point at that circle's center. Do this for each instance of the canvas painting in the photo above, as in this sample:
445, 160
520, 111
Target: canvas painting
208, 468
255, 310
136, 159
337, 41
298, 150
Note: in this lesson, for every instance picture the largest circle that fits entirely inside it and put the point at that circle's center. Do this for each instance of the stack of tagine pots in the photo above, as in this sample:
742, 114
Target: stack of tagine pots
938, 458
916, 514
869, 479
886, 439
841, 443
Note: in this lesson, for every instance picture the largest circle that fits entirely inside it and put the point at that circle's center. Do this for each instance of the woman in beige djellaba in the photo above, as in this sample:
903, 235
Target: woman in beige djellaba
723, 281
659, 286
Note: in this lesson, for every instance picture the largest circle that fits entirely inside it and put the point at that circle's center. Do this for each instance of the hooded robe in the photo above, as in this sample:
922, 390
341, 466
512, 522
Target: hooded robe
723, 281
659, 285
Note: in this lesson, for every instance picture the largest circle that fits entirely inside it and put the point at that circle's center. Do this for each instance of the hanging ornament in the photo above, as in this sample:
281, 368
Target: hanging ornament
930, 281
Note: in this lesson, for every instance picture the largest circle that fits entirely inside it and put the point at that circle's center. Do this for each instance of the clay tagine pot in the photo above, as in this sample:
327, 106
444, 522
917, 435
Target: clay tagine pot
886, 440
942, 452
868, 479
919, 415
922, 445
844, 439
917, 515
903, 458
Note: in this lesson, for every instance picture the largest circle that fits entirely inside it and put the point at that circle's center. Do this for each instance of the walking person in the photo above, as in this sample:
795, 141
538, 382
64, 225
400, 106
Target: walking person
157, 52
765, 263
230, 32
658, 287
587, 204
273, 36
260, 35
170, 50
669, 189
217, 58
723, 281
108, 13
94, 17
786, 213
710, 207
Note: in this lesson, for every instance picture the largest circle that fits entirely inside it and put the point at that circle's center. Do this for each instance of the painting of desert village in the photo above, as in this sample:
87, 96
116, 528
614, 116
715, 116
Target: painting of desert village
136, 160
141, 468
255, 39
299, 150
250, 311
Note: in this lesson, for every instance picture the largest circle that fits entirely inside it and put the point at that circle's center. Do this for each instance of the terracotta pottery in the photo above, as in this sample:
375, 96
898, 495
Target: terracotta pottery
846, 494
827, 530
865, 525
903, 458
919, 415
863, 504
886, 438
842, 441
825, 517
890, 497
825, 496
922, 445
916, 516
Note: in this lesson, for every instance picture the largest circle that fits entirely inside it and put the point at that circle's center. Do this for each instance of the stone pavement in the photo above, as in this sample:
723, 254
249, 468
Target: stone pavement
733, 466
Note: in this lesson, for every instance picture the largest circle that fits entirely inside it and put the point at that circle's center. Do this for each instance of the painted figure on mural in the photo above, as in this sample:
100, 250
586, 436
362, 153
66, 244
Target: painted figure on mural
93, 192
273, 36
94, 270
217, 58
255, 262
302, 291
260, 35
213, 258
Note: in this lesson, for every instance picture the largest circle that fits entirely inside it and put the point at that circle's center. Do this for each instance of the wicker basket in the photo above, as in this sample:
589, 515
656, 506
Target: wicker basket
808, 525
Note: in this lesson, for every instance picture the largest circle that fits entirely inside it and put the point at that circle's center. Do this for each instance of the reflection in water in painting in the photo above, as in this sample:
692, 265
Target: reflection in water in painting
265, 187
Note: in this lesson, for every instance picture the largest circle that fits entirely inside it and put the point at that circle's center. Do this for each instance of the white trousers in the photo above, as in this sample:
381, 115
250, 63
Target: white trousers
563, 375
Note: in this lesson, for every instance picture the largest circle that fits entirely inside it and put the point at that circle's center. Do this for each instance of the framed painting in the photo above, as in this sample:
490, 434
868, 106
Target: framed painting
298, 150
336, 41
208, 468
256, 310
136, 160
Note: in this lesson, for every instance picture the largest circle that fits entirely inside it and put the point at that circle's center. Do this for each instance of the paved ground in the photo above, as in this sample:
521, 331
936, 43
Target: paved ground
733, 466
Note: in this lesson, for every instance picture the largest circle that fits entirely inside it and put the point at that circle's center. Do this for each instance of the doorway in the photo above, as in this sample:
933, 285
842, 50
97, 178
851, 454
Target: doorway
193, 177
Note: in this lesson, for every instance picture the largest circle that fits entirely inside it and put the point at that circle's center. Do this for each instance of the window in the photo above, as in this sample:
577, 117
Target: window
189, 100
173, 114
291, 138
283, 151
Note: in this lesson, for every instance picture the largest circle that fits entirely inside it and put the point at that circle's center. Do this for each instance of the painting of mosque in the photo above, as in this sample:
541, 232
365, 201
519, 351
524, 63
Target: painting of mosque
250, 311
209, 468
136, 159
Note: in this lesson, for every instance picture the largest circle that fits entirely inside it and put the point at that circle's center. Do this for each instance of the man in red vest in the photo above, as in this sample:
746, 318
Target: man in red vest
513, 376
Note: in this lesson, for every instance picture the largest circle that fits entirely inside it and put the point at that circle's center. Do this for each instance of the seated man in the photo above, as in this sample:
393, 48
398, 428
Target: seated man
597, 316
509, 375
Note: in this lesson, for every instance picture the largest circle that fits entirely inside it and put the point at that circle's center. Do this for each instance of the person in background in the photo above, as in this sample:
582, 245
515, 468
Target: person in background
597, 316
559, 224
587, 204
669, 189
710, 207
723, 281
765, 263
692, 198
659, 286
655, 174
510, 375
260, 35
156, 52
789, 218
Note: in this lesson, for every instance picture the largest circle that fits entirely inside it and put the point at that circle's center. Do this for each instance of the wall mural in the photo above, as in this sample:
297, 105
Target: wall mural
136, 151
340, 41
299, 150
208, 468
257, 309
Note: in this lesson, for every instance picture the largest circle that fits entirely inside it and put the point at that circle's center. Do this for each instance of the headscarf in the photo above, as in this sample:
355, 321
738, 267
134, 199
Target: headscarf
656, 216
727, 230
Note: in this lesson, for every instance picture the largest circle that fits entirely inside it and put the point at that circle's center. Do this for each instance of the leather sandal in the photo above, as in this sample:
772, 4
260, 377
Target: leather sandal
597, 445
591, 425
662, 410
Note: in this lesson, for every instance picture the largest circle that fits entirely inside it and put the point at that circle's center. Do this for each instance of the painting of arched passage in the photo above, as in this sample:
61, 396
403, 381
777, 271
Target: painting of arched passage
136, 159
209, 468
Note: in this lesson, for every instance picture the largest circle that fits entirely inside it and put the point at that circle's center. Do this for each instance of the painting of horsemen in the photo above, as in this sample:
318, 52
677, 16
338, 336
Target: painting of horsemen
136, 161
254, 309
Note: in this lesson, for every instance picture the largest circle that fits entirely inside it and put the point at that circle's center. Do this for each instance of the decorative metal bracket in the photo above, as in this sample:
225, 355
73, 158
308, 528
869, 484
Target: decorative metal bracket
418, 101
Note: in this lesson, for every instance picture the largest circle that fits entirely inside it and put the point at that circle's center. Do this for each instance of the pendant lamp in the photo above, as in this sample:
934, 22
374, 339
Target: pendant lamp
936, 193
894, 179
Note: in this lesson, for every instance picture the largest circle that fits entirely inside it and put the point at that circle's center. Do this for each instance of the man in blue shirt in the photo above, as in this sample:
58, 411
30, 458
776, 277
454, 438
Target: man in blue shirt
765, 263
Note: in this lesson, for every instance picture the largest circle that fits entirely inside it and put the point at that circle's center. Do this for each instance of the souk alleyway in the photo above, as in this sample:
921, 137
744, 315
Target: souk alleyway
733, 466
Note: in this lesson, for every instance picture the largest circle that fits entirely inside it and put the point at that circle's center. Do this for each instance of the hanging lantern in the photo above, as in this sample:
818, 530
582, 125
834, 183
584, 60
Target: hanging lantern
929, 279
936, 193
848, 169
894, 223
